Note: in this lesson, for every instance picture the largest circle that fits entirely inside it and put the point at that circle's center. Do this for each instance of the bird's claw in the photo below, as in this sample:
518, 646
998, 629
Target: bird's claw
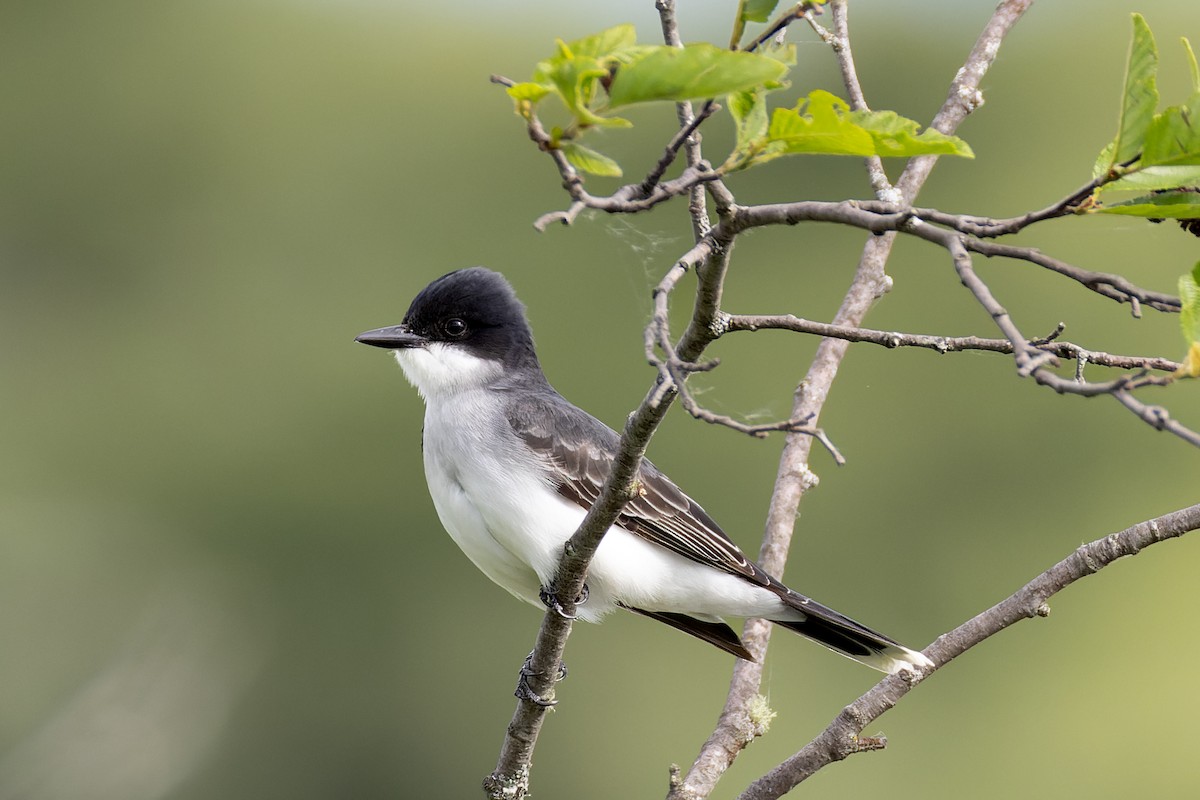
551, 601
523, 692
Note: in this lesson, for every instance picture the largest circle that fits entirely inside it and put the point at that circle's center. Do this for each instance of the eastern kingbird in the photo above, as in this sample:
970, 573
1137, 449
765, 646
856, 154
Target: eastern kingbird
513, 467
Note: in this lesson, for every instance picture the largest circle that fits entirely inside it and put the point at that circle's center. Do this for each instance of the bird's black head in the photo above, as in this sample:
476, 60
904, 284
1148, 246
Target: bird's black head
473, 308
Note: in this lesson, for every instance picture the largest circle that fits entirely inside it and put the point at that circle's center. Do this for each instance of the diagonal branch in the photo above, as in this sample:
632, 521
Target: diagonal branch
1107, 284
840, 739
1156, 417
803, 10
510, 779
986, 227
687, 133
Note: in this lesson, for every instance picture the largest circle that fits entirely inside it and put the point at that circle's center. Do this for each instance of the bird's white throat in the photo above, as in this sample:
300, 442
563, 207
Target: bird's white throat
438, 369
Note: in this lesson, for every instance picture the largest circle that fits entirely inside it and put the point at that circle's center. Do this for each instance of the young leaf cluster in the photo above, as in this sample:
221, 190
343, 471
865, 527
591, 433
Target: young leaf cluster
597, 75
824, 123
1156, 152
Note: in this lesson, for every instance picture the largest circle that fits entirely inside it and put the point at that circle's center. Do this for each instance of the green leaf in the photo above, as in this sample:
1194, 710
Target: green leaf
528, 91
604, 44
749, 109
1189, 312
589, 161
898, 136
1167, 205
1190, 368
749, 11
1140, 96
1104, 162
576, 80
1173, 139
756, 10
783, 53
1189, 321
692, 72
1168, 148
818, 124
1156, 178
1195, 71
824, 124
577, 68
749, 112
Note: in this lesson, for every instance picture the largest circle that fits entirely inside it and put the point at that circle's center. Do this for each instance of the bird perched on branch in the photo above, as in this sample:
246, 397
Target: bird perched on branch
513, 468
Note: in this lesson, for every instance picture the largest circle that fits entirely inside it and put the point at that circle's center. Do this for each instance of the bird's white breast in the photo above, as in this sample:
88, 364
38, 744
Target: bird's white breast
488, 489
495, 499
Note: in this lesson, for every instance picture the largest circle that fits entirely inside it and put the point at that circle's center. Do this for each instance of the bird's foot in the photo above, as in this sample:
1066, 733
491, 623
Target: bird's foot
523, 691
550, 600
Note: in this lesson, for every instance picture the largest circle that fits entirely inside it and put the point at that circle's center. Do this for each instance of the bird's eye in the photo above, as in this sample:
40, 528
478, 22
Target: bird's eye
455, 328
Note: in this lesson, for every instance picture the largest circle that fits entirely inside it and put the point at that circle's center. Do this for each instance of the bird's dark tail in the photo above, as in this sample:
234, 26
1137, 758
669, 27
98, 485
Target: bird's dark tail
845, 636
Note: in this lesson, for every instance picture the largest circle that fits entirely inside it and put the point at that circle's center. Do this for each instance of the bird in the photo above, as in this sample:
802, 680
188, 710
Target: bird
512, 467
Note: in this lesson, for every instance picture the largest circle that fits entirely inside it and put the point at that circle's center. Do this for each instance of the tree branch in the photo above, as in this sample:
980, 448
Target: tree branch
1156, 417
839, 740
882, 218
801, 10
686, 133
942, 344
1106, 284
986, 227
510, 779
733, 731
697, 209
891, 213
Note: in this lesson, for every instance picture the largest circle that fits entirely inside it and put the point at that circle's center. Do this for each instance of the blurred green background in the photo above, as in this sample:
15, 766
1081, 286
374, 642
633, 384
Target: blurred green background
220, 572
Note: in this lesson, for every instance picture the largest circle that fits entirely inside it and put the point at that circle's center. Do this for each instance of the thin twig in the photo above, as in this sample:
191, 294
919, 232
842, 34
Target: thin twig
986, 227
697, 208
628, 199
781, 23
566, 217
672, 149
839, 41
677, 371
943, 344
1106, 284
798, 426
1157, 417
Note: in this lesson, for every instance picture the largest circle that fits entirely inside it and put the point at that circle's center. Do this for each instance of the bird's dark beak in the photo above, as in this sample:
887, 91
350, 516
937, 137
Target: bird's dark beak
395, 337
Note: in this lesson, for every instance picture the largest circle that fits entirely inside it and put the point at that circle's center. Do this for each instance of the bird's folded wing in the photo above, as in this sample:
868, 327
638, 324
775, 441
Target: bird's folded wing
578, 451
